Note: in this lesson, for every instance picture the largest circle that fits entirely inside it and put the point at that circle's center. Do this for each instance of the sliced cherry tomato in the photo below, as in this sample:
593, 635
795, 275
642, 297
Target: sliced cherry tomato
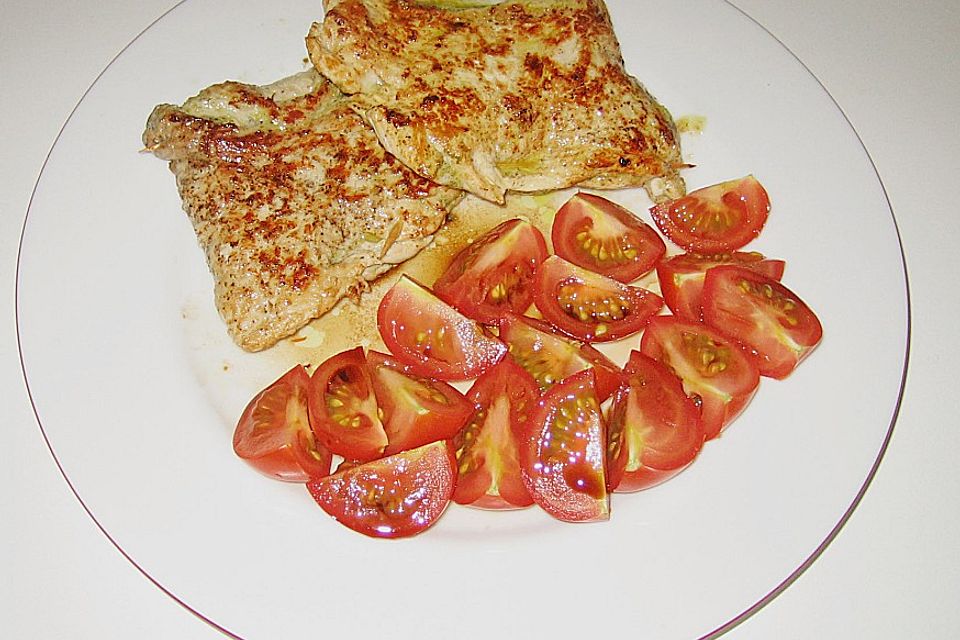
343, 408
716, 219
653, 429
432, 337
550, 357
495, 273
562, 456
762, 314
274, 436
416, 409
487, 447
713, 367
393, 497
681, 277
600, 235
589, 306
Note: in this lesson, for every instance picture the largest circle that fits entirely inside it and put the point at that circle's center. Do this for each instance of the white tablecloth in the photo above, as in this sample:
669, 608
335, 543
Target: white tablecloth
893, 572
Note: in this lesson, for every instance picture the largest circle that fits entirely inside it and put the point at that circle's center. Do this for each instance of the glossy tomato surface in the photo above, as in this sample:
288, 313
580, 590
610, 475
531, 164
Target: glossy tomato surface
433, 338
416, 409
653, 429
681, 277
393, 497
274, 436
487, 447
494, 274
762, 314
713, 367
550, 357
597, 234
589, 306
716, 219
343, 408
563, 453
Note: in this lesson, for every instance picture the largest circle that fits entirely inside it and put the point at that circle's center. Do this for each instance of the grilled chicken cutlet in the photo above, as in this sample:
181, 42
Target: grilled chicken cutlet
293, 199
523, 95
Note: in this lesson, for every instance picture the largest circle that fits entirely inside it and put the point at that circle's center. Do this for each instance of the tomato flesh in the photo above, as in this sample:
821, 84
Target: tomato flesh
589, 306
343, 408
597, 234
274, 435
550, 357
486, 448
681, 277
716, 219
494, 274
653, 429
762, 314
714, 368
416, 409
433, 338
393, 497
563, 453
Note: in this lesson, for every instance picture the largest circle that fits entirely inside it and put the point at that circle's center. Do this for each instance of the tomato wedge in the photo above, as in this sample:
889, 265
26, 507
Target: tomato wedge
274, 436
416, 409
762, 314
432, 337
589, 306
343, 408
550, 357
597, 234
681, 277
653, 429
494, 274
487, 447
393, 497
712, 366
562, 456
716, 219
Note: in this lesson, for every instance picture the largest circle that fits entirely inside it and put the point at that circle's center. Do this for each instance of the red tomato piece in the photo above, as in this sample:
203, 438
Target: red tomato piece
681, 277
550, 357
416, 409
393, 497
713, 367
716, 219
343, 407
274, 436
762, 314
494, 274
562, 456
487, 447
589, 306
432, 337
653, 429
600, 235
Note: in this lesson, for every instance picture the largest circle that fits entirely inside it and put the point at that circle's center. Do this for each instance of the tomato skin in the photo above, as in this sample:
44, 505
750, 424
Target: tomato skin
433, 338
716, 219
274, 435
550, 357
487, 448
681, 277
711, 365
597, 234
494, 274
416, 410
589, 306
562, 455
654, 430
762, 314
393, 497
343, 408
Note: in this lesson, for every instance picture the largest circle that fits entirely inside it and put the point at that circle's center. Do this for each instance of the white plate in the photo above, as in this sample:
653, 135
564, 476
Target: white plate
137, 387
